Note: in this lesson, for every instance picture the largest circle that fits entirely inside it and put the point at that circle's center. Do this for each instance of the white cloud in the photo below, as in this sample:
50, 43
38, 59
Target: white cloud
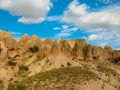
29, 10
26, 20
16, 33
105, 38
102, 44
107, 1
117, 49
70, 29
66, 31
81, 15
62, 34
101, 25
94, 37
65, 26
57, 28
53, 18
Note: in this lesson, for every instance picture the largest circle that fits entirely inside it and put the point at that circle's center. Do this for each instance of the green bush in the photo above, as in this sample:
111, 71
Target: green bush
25, 68
34, 49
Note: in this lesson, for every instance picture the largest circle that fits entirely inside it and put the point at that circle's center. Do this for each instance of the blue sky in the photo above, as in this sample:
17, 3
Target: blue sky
98, 21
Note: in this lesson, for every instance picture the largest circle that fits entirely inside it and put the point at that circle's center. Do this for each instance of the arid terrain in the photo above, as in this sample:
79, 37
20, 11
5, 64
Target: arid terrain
31, 63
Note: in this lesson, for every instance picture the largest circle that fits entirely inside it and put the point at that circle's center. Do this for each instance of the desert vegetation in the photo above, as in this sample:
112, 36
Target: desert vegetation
67, 75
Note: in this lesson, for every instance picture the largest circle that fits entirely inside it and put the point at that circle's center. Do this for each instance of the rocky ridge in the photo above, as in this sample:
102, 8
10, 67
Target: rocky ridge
29, 56
81, 49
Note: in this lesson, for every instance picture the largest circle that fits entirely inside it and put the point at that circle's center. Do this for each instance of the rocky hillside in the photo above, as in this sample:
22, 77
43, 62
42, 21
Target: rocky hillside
31, 63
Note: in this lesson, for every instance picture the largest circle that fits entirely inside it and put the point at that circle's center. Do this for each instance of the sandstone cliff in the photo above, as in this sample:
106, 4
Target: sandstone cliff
79, 49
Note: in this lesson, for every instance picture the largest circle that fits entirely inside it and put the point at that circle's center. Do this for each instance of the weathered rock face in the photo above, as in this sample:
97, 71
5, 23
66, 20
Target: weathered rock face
97, 53
69, 48
3, 51
46, 46
71, 43
36, 40
33, 41
89, 55
116, 53
108, 52
116, 57
79, 49
7, 39
65, 48
54, 50
22, 42
48, 42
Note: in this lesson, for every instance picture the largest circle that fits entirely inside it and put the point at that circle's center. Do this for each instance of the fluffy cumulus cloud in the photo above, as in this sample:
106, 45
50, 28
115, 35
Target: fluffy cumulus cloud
31, 11
111, 38
103, 24
81, 15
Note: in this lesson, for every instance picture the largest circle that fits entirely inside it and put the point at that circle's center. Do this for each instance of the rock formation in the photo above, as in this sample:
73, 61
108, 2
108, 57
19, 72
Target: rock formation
89, 55
7, 39
22, 42
3, 51
54, 50
44, 60
79, 49
65, 48
33, 41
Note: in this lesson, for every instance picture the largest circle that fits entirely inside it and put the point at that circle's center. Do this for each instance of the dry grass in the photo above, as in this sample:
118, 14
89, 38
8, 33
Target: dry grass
61, 76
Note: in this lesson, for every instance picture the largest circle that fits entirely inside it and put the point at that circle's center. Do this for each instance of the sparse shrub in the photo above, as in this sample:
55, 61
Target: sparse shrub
17, 86
105, 70
50, 63
94, 57
47, 61
30, 56
114, 74
11, 49
61, 75
11, 63
1, 81
44, 55
11, 79
62, 65
68, 64
34, 49
25, 68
